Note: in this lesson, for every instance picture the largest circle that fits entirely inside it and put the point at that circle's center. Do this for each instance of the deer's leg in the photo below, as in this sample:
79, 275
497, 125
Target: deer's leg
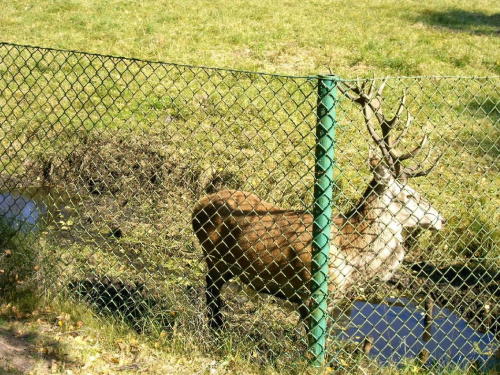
304, 315
215, 282
304, 312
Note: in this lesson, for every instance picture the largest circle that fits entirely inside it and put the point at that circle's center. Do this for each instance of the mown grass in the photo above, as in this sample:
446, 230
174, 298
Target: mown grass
449, 37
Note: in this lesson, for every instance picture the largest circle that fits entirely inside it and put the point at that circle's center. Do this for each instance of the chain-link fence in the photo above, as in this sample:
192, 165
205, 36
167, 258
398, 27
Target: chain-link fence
166, 195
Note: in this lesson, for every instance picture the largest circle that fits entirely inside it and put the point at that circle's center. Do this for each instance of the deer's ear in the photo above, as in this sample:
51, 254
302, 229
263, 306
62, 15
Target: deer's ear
381, 172
375, 158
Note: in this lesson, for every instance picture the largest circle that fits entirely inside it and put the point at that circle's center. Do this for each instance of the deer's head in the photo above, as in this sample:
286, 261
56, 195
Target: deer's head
391, 176
404, 203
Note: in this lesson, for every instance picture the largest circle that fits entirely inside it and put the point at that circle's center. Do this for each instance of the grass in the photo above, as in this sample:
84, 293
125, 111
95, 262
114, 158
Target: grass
60, 343
449, 37
130, 146
19, 262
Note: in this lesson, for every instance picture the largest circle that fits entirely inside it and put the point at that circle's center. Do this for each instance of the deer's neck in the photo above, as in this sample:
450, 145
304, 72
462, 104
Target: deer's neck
371, 241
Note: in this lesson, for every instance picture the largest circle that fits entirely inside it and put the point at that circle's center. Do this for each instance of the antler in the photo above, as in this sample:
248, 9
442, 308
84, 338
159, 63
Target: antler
371, 102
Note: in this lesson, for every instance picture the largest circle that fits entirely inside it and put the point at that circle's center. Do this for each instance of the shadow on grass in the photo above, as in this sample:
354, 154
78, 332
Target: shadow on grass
461, 275
126, 301
486, 140
462, 20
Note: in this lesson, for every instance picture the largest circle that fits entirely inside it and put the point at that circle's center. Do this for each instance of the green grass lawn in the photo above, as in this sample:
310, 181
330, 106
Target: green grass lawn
448, 37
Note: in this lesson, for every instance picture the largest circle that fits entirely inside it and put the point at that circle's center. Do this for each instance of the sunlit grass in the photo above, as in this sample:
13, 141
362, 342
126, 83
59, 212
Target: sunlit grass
389, 37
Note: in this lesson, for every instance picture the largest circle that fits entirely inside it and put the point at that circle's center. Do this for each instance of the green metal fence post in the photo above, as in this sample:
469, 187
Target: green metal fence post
322, 211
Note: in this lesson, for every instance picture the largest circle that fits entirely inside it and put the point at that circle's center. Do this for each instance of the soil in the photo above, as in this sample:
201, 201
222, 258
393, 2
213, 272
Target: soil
16, 354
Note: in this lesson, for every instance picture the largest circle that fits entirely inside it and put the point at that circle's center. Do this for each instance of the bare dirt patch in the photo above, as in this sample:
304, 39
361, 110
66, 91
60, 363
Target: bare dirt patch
16, 354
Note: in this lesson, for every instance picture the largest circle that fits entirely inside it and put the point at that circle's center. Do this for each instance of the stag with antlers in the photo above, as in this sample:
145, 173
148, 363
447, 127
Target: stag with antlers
269, 248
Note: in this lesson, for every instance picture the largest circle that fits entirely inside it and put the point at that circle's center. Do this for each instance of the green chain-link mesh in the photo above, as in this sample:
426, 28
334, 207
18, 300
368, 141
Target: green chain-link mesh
104, 159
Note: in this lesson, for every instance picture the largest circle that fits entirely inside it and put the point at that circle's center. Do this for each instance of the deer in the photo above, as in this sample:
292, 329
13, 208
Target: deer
270, 249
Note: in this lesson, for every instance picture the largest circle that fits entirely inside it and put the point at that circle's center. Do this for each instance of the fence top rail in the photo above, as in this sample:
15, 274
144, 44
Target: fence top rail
134, 59
240, 71
416, 77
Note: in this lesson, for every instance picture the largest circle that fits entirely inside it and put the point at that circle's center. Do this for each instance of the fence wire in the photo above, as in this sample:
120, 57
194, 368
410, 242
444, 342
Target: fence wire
142, 190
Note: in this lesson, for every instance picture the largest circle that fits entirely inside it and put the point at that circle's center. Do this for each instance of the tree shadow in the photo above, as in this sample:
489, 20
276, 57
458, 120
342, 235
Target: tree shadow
486, 140
129, 302
462, 20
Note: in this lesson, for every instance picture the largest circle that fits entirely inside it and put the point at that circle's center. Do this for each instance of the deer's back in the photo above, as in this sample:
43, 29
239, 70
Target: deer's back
269, 248
254, 236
